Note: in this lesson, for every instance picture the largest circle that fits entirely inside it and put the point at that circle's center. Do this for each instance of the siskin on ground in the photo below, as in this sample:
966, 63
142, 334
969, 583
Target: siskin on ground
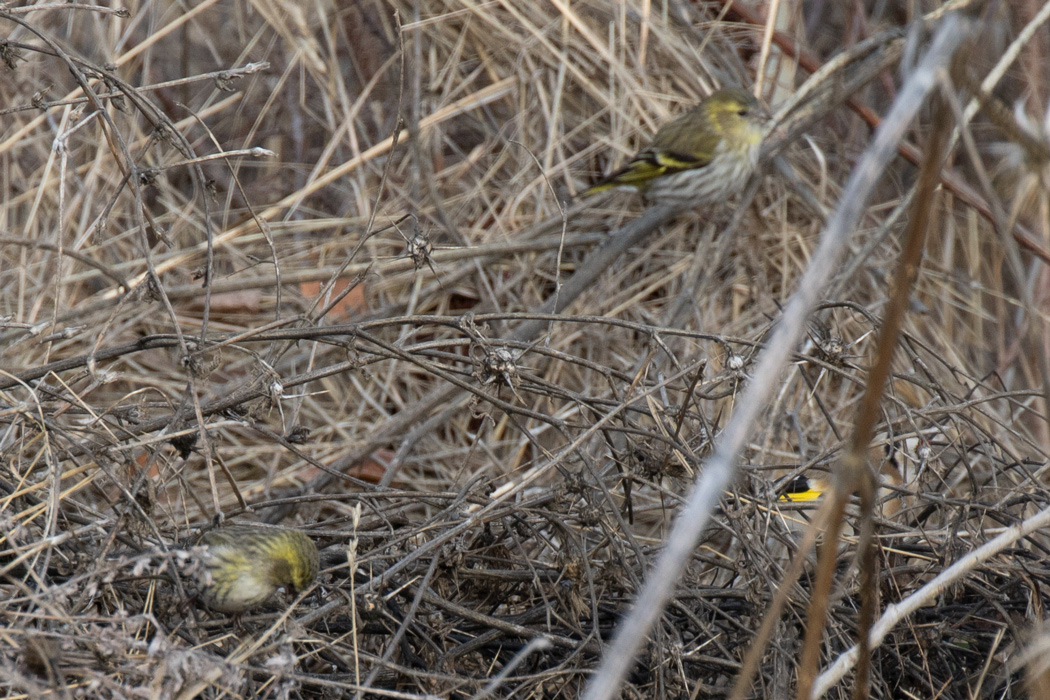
245, 565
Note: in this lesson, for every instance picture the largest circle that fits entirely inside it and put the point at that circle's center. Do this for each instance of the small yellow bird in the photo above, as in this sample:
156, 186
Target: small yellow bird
809, 487
245, 565
804, 488
702, 157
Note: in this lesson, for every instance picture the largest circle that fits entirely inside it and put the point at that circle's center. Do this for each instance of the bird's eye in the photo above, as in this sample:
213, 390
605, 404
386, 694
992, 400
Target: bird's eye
742, 112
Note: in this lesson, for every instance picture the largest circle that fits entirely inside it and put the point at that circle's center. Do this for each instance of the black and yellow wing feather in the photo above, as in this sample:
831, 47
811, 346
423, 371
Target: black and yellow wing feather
681, 144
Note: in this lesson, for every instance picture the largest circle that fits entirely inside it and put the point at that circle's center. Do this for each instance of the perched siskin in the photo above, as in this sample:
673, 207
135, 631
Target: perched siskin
804, 488
244, 565
807, 488
701, 157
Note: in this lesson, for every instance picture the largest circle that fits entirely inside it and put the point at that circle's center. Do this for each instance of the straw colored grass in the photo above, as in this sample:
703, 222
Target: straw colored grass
362, 321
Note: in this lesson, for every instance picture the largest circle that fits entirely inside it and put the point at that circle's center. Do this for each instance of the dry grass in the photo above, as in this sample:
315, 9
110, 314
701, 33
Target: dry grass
185, 338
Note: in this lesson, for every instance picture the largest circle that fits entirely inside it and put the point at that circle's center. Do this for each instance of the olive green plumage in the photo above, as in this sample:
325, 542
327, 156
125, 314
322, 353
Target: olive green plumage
704, 155
245, 565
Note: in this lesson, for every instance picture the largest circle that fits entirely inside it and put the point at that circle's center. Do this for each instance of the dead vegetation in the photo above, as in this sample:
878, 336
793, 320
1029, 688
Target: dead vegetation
344, 324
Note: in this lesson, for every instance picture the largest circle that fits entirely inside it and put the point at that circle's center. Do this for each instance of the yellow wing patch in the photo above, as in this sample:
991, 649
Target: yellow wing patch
677, 161
637, 173
802, 489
